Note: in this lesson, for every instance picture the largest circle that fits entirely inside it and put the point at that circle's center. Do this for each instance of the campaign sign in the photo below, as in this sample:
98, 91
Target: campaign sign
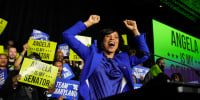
3, 24
69, 88
39, 35
38, 73
64, 49
139, 71
1, 49
3, 76
67, 72
46, 49
124, 36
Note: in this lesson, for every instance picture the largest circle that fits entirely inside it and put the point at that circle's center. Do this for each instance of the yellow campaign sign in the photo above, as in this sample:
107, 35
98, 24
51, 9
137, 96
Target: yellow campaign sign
73, 56
83, 39
1, 49
124, 36
3, 24
38, 73
46, 49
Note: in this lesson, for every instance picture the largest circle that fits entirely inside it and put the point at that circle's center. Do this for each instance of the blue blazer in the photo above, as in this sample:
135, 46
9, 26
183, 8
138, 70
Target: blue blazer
92, 58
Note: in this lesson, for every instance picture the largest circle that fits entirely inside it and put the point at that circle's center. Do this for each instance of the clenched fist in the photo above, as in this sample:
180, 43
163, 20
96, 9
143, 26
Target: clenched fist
131, 25
93, 19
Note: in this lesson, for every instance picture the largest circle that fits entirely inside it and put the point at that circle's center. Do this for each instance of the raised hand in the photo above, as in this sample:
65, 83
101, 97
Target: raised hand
25, 46
93, 19
131, 25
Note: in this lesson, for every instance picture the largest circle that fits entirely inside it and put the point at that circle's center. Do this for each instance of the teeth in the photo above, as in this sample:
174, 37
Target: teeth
112, 43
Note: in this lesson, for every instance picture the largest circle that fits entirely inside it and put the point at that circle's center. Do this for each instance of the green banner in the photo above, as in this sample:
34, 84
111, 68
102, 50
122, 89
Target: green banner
176, 45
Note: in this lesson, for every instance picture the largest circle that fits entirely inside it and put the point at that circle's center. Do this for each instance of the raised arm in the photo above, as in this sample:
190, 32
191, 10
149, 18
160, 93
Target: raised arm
140, 42
21, 56
74, 44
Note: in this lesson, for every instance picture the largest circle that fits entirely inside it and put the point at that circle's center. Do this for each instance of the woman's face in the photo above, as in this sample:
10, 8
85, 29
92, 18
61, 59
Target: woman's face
111, 42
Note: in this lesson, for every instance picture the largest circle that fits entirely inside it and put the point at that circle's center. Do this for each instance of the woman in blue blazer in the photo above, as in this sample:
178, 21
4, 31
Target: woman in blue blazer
105, 72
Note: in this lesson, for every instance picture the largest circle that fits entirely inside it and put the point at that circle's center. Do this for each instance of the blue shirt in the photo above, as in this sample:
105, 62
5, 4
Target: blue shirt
105, 80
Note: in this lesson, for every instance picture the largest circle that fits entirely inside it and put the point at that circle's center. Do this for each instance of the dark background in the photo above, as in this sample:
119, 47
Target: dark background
53, 17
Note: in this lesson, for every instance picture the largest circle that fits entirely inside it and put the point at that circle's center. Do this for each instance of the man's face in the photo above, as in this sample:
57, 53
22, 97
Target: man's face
162, 64
12, 52
3, 60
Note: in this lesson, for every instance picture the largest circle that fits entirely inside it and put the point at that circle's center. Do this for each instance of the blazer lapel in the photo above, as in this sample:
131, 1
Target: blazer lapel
126, 69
